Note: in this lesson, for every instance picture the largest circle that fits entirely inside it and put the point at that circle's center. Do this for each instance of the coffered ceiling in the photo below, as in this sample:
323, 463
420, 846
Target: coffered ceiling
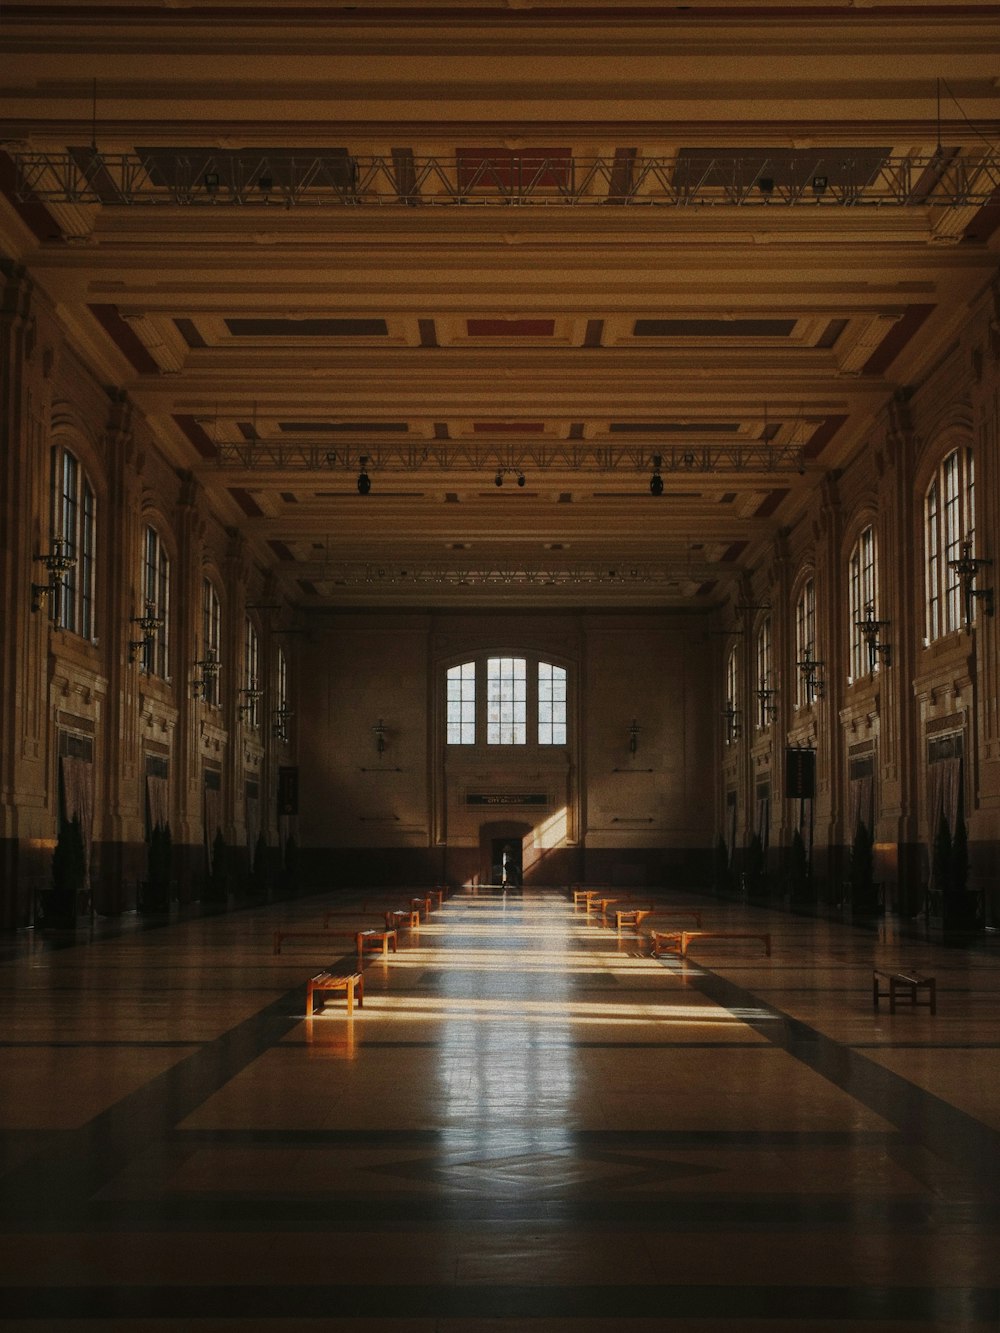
542, 244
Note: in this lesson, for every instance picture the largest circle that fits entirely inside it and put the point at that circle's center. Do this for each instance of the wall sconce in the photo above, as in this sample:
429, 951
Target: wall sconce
812, 676
633, 736
149, 624
209, 668
869, 628
58, 562
967, 569
733, 728
768, 709
656, 481
279, 723
379, 732
251, 696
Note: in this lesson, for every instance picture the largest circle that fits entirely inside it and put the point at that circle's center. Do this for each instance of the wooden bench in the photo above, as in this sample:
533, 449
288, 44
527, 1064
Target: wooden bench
408, 916
679, 941
353, 983
904, 986
631, 918
361, 938
583, 896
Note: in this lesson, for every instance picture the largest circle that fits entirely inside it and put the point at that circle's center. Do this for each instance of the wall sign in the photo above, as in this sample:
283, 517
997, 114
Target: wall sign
507, 798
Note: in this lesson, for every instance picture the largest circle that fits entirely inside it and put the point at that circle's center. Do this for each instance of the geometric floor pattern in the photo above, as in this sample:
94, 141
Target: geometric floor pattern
530, 1125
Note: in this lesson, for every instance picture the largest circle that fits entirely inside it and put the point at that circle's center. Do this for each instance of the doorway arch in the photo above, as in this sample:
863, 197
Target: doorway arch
494, 836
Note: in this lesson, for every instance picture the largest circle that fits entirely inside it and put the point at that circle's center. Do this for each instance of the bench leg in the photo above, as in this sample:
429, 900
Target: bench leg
767, 946
350, 995
932, 996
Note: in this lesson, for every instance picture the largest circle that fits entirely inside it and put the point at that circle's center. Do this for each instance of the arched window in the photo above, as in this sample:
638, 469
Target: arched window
732, 713
251, 675
805, 645
211, 635
156, 590
949, 522
862, 601
506, 700
73, 519
765, 688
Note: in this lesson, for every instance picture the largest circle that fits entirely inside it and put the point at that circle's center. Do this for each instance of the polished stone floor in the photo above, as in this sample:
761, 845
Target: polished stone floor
530, 1125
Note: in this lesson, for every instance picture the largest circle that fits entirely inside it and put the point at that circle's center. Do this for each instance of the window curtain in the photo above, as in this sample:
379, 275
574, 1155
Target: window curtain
78, 798
213, 817
157, 802
944, 788
253, 824
861, 804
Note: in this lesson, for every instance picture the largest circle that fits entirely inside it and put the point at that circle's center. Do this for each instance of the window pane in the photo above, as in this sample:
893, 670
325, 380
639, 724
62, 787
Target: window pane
551, 704
461, 701
506, 692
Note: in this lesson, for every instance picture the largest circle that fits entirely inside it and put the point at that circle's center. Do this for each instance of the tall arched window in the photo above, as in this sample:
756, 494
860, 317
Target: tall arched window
211, 636
949, 521
732, 713
73, 515
862, 601
805, 645
506, 700
765, 685
156, 589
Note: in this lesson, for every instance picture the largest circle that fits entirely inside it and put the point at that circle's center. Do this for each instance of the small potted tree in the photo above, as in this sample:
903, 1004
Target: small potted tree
960, 906
159, 870
69, 875
722, 876
754, 868
217, 887
798, 871
864, 892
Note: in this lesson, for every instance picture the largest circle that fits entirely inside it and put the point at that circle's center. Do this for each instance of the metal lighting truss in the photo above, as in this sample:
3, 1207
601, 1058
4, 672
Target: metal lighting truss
563, 456
628, 574
280, 179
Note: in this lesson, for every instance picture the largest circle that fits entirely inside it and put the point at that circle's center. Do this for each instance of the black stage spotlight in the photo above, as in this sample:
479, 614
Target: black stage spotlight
766, 186
520, 479
364, 481
819, 184
498, 479
656, 481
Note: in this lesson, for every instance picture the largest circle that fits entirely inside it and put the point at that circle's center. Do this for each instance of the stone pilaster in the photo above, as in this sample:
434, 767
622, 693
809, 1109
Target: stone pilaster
27, 828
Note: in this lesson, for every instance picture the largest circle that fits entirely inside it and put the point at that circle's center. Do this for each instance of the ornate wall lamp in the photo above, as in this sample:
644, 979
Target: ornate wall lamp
209, 668
734, 728
768, 708
812, 676
379, 733
149, 624
967, 568
250, 698
870, 628
58, 562
633, 736
279, 723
